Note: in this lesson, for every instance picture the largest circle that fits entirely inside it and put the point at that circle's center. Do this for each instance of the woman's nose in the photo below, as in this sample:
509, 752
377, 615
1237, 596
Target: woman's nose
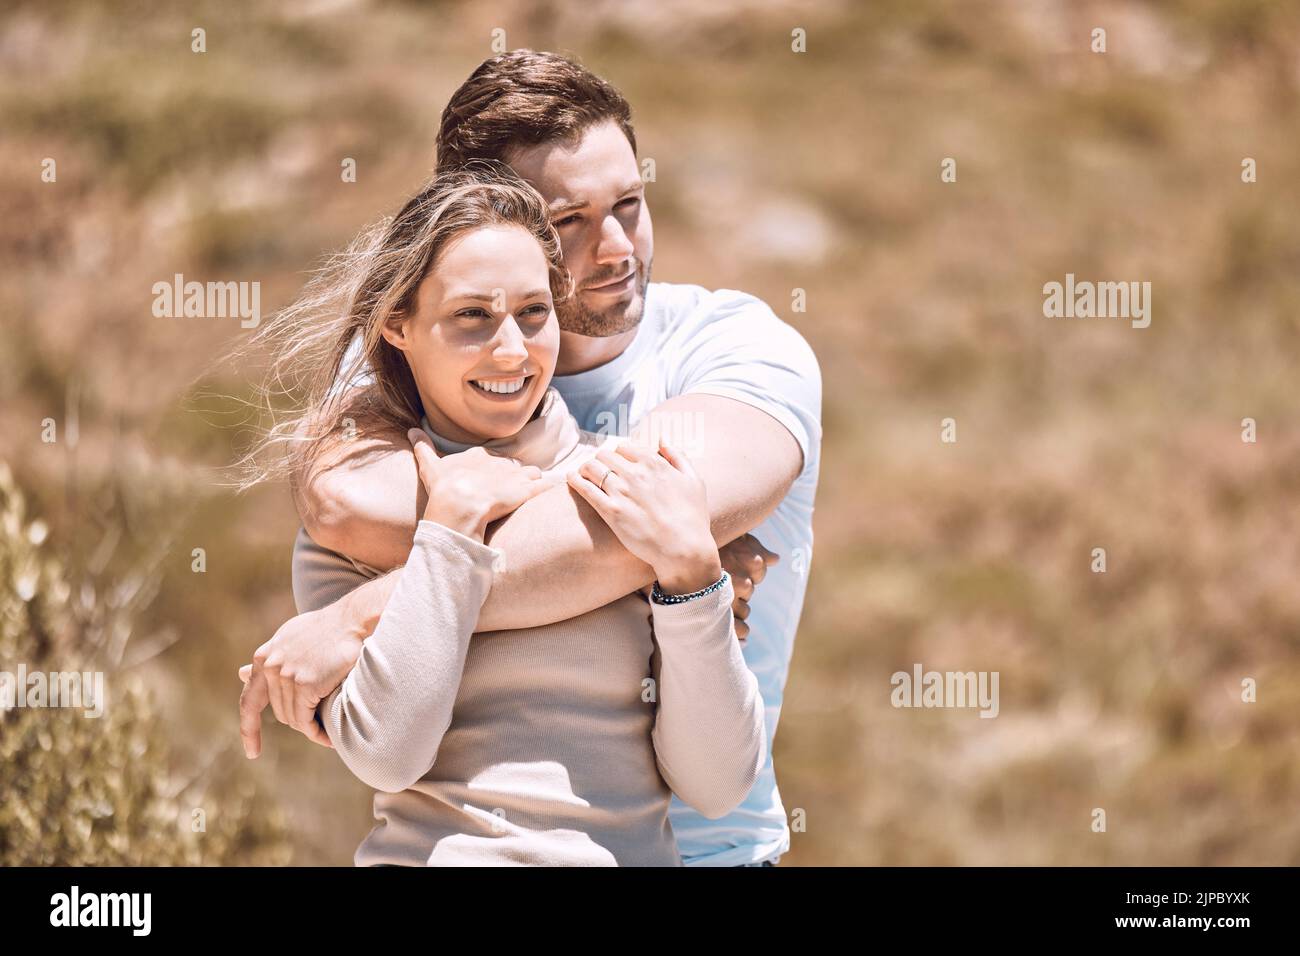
510, 342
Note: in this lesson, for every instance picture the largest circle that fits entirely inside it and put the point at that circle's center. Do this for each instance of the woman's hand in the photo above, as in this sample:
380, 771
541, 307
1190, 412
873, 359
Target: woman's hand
747, 561
655, 502
471, 489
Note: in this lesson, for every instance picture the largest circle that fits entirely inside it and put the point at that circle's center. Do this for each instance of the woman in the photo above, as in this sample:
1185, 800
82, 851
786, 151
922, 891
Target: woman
556, 745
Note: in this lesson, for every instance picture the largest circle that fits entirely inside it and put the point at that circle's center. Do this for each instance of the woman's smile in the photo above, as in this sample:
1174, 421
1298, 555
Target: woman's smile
503, 389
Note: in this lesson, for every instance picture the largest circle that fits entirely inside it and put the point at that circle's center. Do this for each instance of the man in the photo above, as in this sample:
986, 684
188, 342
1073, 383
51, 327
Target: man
717, 371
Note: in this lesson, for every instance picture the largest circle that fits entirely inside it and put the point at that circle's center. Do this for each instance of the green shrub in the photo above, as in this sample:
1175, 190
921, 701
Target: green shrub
102, 791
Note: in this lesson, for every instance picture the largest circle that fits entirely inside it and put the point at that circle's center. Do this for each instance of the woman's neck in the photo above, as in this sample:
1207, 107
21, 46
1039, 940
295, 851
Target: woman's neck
548, 436
444, 427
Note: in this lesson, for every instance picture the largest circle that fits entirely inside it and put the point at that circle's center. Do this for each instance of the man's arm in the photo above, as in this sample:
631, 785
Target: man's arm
362, 495
339, 607
561, 559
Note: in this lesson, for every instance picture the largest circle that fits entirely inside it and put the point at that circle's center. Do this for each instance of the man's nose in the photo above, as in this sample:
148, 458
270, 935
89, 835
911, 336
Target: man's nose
614, 245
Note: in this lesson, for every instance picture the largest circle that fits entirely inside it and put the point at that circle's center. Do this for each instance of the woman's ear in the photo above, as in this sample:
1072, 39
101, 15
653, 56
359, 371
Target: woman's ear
394, 329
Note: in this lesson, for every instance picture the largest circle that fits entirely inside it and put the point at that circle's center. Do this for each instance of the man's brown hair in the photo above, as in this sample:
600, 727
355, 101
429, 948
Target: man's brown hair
525, 98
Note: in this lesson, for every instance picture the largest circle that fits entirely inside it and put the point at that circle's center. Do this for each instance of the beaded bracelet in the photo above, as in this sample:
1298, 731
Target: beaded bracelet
659, 597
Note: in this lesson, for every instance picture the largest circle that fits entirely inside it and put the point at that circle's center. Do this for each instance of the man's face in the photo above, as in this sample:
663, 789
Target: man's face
597, 203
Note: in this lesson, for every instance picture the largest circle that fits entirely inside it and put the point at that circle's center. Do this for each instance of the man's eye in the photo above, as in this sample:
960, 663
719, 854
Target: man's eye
566, 220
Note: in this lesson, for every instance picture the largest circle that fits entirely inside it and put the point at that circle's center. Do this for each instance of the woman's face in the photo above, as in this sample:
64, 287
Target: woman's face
483, 340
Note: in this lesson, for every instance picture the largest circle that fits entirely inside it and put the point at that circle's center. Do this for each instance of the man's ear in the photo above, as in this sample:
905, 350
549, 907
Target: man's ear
394, 329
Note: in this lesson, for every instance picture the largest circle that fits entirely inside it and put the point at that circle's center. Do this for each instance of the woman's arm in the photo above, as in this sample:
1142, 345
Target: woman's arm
710, 737
388, 717
709, 733
296, 669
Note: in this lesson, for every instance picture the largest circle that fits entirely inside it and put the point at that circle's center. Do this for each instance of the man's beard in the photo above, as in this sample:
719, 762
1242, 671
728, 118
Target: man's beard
576, 317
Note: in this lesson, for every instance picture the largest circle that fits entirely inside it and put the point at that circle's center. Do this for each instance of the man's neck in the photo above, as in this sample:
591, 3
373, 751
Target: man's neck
582, 353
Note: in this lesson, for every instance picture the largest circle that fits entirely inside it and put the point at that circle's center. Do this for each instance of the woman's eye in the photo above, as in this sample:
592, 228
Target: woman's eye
630, 201
473, 313
538, 309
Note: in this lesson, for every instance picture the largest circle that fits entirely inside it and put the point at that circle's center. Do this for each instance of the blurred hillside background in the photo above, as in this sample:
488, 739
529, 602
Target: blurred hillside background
775, 171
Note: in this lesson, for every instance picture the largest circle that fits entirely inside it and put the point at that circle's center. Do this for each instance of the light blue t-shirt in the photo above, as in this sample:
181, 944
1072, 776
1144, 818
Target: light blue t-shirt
727, 343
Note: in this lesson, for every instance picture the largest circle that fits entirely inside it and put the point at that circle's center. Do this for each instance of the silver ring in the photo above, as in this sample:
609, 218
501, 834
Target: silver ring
608, 471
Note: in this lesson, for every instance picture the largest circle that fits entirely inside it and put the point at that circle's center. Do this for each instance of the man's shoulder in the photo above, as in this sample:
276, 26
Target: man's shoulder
696, 318
682, 305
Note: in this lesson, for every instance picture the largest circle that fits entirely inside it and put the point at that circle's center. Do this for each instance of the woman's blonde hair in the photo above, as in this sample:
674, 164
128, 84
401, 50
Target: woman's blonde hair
313, 356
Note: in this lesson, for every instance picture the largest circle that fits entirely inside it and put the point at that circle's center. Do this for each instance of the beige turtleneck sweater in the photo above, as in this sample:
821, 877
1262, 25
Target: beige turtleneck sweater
555, 745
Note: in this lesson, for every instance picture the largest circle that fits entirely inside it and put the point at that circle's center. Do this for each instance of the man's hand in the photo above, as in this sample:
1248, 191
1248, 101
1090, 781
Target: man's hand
747, 561
295, 670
